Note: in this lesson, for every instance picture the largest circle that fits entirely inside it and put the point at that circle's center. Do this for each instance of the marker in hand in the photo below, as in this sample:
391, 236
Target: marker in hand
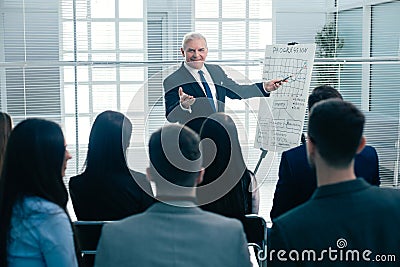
284, 79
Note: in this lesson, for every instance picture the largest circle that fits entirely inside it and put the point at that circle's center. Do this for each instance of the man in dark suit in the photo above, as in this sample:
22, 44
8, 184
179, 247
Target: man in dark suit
297, 180
347, 222
174, 232
196, 90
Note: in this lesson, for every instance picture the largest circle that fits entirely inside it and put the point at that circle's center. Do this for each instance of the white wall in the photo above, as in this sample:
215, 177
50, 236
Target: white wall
292, 17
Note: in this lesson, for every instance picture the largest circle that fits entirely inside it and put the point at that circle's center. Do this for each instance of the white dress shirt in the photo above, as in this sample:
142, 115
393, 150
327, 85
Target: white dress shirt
207, 76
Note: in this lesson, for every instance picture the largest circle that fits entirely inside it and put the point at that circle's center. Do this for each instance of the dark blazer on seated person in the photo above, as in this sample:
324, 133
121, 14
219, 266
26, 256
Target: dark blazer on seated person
112, 197
297, 181
347, 219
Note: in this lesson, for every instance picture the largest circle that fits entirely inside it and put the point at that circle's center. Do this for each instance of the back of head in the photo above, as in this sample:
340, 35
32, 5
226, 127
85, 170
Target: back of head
33, 161
335, 127
224, 149
32, 167
175, 156
5, 130
5, 124
225, 168
321, 93
109, 138
191, 36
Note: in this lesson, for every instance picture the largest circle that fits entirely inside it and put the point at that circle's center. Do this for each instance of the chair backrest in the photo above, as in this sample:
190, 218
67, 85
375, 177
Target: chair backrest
88, 235
255, 228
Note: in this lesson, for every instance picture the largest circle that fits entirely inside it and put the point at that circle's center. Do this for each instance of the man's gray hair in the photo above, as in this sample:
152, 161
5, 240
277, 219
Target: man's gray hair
191, 36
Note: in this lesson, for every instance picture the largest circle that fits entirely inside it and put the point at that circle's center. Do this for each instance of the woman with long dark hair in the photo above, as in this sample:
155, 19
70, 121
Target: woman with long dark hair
108, 189
5, 130
35, 229
228, 187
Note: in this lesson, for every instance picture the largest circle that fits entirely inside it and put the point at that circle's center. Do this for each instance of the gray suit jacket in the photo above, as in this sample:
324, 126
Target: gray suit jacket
167, 235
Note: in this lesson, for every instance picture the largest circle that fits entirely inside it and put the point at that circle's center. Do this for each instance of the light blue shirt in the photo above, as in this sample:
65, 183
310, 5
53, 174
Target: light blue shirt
40, 235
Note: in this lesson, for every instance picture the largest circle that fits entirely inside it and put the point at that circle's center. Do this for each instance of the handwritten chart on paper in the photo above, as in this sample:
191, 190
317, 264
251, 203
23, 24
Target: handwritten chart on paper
288, 104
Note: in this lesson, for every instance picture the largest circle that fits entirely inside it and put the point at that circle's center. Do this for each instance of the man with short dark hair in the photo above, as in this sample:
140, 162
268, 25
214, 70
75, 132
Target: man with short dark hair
174, 232
339, 225
297, 181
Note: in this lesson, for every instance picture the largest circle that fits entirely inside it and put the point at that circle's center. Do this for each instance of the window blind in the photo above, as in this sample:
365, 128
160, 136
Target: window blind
69, 60
366, 50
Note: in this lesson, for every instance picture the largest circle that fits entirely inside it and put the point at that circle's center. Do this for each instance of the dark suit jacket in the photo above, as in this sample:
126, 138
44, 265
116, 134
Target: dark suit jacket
297, 181
110, 197
201, 109
363, 216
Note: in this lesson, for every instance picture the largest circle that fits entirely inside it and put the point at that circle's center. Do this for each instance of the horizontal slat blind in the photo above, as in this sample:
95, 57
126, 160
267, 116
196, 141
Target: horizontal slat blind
69, 60
366, 54
384, 127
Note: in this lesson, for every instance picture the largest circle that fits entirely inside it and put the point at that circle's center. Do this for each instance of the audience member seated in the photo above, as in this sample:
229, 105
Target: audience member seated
174, 232
35, 229
297, 179
339, 225
108, 189
5, 130
228, 187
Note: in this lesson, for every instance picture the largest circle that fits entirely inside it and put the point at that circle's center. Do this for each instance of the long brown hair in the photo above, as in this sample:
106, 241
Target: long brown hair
32, 167
228, 167
5, 130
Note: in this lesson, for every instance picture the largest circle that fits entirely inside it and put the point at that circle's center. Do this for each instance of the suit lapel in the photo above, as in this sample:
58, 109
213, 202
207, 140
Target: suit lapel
218, 83
192, 87
190, 82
